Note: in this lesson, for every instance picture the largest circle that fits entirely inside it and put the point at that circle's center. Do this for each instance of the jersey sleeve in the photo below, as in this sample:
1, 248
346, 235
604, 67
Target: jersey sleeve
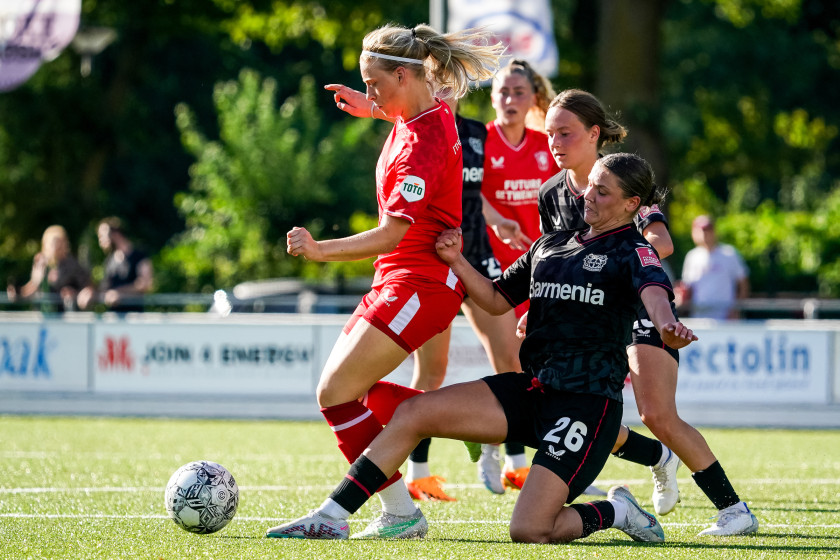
648, 215
646, 269
419, 170
515, 283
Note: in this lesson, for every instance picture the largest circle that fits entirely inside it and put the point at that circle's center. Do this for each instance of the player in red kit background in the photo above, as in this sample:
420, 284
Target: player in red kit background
414, 294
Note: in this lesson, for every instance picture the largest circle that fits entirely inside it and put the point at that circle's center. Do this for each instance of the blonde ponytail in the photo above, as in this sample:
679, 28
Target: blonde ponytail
450, 60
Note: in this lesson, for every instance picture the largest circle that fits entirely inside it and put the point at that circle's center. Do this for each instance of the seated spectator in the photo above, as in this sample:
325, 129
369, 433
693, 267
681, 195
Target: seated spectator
128, 271
714, 276
54, 271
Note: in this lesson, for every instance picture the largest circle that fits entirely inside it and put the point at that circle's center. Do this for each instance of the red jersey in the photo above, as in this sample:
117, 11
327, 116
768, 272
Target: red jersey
512, 179
418, 178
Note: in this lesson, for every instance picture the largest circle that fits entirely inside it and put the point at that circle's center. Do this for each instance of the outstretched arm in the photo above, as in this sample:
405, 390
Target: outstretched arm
356, 103
673, 333
507, 230
478, 287
377, 241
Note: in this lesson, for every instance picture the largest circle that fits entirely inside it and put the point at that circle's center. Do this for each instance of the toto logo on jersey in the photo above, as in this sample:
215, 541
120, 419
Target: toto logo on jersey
413, 188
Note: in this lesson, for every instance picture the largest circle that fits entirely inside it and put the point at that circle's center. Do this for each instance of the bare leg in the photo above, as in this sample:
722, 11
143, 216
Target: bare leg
539, 515
654, 375
466, 411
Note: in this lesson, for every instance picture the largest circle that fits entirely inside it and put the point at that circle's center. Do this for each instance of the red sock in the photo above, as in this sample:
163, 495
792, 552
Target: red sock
384, 397
355, 426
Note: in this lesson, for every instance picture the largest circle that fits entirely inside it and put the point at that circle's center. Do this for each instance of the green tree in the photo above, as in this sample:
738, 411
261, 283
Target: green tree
272, 167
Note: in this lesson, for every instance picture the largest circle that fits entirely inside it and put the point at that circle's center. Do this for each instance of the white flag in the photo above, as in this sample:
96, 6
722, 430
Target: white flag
525, 26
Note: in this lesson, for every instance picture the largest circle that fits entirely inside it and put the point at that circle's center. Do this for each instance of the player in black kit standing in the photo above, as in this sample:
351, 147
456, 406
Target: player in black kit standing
585, 289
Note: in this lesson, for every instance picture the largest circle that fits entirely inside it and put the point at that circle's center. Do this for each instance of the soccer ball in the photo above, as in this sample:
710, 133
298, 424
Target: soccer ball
201, 497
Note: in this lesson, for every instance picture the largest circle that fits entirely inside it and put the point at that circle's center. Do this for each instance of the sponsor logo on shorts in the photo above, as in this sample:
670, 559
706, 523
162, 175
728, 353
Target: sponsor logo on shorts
389, 297
648, 257
555, 453
594, 263
413, 188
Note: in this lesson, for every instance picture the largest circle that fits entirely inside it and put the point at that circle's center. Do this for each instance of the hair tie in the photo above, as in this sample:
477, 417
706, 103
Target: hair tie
413, 34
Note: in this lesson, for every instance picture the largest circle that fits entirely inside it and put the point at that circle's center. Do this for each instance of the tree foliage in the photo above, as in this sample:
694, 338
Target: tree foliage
206, 128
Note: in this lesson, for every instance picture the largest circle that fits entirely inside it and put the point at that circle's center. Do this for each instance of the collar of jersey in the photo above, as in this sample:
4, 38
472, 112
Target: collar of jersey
619, 229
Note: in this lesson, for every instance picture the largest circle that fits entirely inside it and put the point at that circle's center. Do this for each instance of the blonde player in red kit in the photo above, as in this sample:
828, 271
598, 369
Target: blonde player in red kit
516, 162
414, 295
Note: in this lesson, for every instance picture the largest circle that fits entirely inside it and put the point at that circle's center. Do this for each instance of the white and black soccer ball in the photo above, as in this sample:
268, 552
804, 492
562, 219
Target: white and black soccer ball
201, 497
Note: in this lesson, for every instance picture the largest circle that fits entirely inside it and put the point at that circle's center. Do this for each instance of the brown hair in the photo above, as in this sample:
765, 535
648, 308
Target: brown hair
539, 84
450, 60
635, 176
591, 112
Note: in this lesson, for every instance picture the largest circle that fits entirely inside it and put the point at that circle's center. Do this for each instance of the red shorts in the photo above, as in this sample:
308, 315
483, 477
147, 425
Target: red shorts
409, 313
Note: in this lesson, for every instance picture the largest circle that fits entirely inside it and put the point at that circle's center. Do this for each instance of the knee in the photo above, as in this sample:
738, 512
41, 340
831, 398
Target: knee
659, 421
331, 393
529, 535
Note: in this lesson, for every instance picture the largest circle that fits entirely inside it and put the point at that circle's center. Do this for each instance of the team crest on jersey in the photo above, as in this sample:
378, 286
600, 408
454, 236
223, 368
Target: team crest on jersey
413, 188
648, 256
594, 263
497, 163
476, 145
542, 160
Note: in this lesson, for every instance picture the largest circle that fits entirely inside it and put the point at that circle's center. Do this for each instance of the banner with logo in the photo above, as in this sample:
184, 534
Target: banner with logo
742, 363
44, 356
525, 26
204, 358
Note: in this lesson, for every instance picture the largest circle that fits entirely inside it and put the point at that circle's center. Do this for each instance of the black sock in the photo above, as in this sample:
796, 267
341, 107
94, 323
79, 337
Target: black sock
596, 516
360, 483
640, 449
514, 449
715, 484
421, 452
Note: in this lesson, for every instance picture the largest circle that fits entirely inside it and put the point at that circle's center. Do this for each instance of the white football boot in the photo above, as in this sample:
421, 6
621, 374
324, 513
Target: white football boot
390, 526
666, 494
731, 521
639, 524
314, 525
490, 468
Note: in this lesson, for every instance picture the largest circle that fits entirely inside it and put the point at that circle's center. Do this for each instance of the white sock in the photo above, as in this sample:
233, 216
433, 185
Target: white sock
331, 508
517, 461
620, 513
662, 457
417, 470
396, 499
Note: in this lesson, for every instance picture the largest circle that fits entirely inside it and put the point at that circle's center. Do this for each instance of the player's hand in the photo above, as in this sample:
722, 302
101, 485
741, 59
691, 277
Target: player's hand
351, 101
510, 233
299, 243
448, 245
522, 326
676, 335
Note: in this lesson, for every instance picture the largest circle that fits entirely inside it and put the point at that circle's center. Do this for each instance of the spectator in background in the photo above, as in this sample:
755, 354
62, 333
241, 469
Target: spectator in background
714, 275
128, 271
54, 271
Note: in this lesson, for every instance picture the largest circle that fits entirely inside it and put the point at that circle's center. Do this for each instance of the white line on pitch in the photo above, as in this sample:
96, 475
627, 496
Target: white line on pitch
436, 521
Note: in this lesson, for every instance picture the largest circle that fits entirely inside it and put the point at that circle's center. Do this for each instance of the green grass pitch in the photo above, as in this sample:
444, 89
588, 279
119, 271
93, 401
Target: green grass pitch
91, 488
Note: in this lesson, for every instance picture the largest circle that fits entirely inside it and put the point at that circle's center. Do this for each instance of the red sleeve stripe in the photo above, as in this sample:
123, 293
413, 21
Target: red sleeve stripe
666, 287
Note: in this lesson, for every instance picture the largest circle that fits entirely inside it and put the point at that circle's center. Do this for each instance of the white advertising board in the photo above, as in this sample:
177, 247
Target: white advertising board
204, 358
44, 356
743, 363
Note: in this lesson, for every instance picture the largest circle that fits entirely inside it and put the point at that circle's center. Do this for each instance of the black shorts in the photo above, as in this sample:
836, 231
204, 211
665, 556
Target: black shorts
486, 264
573, 433
645, 333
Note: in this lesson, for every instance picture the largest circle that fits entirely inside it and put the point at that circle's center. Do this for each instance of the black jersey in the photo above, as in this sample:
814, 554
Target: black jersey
476, 244
584, 297
561, 208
